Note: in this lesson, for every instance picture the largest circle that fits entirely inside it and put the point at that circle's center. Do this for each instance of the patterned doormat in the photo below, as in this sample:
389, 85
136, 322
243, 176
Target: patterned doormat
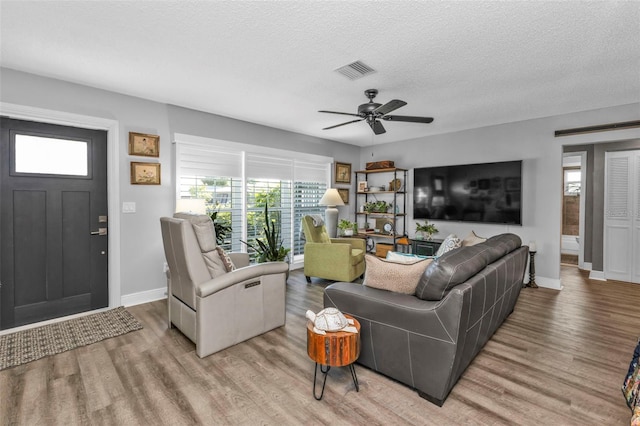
29, 345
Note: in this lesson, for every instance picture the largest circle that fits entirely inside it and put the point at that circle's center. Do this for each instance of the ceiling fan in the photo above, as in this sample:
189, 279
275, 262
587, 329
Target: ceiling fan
373, 112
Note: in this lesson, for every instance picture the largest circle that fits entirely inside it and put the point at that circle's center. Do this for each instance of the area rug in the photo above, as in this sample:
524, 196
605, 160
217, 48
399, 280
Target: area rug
29, 345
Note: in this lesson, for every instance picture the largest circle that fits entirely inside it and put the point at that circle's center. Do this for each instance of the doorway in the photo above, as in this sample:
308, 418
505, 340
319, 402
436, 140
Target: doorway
622, 216
53, 221
573, 208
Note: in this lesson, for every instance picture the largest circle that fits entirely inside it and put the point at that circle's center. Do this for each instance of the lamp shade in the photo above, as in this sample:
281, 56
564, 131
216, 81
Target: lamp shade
331, 198
191, 205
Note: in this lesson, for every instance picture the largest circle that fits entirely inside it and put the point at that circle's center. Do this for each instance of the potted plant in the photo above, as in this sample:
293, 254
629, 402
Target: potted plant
377, 206
221, 227
269, 247
347, 227
426, 231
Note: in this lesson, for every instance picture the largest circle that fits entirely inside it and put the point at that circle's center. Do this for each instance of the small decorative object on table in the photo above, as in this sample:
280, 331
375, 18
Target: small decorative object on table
532, 265
375, 165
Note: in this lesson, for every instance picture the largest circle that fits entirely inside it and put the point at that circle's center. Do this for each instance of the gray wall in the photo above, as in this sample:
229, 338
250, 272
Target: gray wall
141, 255
532, 141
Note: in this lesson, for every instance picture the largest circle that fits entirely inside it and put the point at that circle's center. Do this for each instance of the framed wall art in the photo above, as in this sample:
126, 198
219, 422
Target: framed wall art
145, 173
144, 145
343, 172
344, 194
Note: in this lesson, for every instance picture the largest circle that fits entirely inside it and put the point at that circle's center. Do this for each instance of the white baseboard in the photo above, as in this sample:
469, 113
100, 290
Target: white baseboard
144, 296
551, 283
597, 275
586, 266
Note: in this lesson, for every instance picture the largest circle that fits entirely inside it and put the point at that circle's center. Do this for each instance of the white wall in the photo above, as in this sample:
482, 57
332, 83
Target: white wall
141, 257
533, 142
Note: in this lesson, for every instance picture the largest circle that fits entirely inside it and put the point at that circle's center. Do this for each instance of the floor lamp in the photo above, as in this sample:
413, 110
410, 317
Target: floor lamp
331, 199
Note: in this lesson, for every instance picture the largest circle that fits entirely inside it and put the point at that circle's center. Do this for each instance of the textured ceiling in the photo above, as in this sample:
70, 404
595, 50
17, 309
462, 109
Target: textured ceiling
467, 64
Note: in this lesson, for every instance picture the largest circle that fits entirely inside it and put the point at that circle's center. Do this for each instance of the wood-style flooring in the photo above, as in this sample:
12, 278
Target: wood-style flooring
559, 359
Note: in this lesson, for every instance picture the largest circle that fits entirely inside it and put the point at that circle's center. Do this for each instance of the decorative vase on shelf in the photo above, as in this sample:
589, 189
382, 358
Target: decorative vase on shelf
348, 232
428, 236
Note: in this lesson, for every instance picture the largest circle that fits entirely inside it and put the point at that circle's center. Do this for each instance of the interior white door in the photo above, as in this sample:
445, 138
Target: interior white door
622, 216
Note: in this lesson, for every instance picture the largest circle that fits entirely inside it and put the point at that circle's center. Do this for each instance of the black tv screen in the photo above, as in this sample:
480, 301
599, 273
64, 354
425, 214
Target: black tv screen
488, 193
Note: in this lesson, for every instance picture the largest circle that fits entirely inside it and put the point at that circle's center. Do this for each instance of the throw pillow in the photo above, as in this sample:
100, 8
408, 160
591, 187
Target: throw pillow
452, 242
392, 276
226, 260
472, 239
394, 256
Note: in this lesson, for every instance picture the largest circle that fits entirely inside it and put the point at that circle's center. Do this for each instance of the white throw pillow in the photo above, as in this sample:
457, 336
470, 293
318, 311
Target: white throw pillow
452, 242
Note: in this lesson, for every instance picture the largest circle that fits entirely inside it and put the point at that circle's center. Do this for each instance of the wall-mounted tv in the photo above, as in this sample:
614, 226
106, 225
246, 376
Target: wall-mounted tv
488, 192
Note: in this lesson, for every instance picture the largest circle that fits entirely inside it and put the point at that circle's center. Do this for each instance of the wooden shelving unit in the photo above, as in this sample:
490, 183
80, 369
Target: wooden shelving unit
396, 217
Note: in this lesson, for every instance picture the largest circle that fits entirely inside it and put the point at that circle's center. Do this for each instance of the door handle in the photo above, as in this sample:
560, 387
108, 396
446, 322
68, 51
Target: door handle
100, 231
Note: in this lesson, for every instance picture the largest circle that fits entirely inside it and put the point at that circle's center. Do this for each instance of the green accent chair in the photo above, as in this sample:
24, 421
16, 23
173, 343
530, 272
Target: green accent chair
338, 259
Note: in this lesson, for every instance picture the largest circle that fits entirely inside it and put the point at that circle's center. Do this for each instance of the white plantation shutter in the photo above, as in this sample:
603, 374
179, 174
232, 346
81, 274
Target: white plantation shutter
248, 172
200, 160
618, 187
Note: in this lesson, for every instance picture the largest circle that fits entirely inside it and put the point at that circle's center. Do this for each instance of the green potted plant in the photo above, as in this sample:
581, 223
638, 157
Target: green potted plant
347, 227
221, 227
425, 231
377, 207
269, 247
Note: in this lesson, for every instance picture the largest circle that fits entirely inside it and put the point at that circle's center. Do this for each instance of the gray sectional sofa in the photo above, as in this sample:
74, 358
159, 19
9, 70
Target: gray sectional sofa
427, 340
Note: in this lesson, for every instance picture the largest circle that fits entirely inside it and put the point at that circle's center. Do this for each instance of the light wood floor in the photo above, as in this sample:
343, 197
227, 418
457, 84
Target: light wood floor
559, 359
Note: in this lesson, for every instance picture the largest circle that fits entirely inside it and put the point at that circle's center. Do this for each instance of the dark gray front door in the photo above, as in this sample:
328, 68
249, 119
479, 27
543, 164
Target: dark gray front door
53, 221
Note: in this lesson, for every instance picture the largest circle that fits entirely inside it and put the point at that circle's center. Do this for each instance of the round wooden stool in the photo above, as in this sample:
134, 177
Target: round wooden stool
334, 349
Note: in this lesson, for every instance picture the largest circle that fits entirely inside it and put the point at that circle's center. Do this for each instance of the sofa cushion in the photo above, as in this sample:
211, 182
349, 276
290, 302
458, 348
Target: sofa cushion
456, 266
472, 239
203, 228
499, 245
393, 276
214, 263
452, 242
449, 270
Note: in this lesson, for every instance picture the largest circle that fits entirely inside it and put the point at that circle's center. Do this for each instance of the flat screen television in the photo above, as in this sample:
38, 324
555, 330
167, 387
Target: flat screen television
487, 193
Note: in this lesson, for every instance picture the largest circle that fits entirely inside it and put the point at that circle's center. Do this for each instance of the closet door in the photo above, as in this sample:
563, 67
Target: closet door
622, 216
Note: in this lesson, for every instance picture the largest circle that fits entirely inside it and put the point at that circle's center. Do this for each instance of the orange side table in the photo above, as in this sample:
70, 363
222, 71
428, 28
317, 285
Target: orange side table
334, 349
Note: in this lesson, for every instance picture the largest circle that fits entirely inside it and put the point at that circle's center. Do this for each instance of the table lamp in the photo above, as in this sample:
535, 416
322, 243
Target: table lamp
191, 205
331, 199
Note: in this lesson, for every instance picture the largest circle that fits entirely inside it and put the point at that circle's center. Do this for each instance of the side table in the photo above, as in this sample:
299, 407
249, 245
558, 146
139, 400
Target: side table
425, 247
334, 349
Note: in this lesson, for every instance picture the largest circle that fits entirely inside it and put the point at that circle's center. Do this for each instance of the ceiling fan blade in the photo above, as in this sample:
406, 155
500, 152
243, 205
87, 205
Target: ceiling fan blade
377, 127
407, 118
389, 106
341, 113
342, 124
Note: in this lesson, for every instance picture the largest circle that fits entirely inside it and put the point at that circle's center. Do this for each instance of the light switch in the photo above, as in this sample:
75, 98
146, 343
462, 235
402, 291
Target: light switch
128, 207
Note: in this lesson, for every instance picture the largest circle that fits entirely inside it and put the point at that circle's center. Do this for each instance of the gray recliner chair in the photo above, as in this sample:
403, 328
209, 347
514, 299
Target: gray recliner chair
216, 309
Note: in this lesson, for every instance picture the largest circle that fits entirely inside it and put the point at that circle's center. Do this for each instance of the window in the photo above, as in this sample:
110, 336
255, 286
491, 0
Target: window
237, 180
572, 181
42, 155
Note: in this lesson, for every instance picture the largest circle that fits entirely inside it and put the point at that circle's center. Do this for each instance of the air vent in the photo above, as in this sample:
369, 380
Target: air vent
355, 70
